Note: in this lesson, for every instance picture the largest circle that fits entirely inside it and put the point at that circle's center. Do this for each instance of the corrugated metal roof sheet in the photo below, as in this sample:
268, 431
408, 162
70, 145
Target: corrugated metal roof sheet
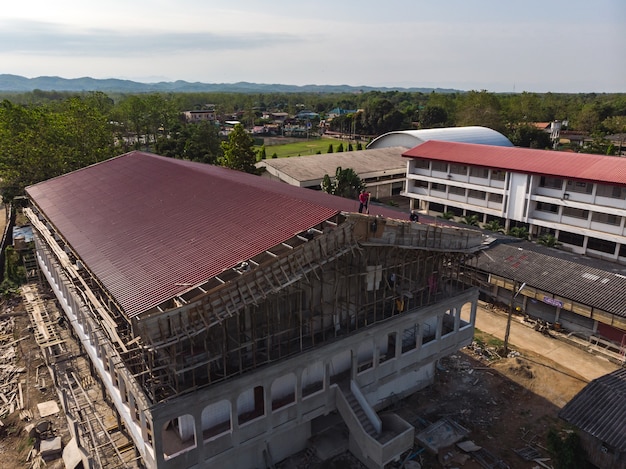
312, 168
600, 409
149, 226
581, 166
578, 282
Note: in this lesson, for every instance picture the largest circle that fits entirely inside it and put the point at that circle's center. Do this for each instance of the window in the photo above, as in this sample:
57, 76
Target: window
545, 207
614, 192
571, 238
498, 175
478, 172
581, 187
458, 169
438, 187
575, 212
420, 164
456, 190
601, 245
439, 166
420, 184
497, 198
551, 183
474, 194
606, 218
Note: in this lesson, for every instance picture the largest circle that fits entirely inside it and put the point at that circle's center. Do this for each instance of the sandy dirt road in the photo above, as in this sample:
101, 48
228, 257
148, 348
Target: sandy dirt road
585, 364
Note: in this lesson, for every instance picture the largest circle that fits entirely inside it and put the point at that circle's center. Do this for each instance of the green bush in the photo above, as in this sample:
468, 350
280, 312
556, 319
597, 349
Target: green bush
567, 451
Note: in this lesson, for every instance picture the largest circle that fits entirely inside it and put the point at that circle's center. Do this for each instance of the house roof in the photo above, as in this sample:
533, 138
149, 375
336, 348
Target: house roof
541, 125
580, 166
468, 134
309, 170
149, 227
599, 409
592, 286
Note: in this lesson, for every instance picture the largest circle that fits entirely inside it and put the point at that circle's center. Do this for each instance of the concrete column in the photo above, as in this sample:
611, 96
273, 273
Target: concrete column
439, 327
157, 433
375, 354
299, 394
419, 337
144, 426
473, 312
197, 421
234, 421
398, 351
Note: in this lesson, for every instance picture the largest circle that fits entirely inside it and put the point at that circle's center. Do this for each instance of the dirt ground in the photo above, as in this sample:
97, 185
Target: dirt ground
37, 386
505, 403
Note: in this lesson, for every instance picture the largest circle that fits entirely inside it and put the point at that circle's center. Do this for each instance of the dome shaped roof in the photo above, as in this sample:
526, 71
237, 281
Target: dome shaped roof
413, 138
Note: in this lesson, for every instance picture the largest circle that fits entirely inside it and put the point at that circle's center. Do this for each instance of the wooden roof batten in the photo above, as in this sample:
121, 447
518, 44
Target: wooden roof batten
227, 299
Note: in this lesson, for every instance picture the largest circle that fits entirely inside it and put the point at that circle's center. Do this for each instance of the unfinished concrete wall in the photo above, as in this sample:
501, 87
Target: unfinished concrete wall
120, 386
258, 412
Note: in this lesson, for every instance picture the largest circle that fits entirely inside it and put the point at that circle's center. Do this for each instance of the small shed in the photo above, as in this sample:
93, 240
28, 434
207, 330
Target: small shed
599, 412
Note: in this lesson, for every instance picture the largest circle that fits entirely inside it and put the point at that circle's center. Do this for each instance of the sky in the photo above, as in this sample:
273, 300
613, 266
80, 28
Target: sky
539, 46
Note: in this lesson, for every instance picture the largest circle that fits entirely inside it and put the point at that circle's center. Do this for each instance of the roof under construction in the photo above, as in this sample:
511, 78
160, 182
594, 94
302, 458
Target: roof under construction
150, 227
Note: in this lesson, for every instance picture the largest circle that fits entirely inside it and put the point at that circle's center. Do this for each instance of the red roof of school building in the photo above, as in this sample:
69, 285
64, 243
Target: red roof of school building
148, 226
580, 166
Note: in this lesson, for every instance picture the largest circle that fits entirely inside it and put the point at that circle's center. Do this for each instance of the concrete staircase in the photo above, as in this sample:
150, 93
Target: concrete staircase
358, 410
375, 441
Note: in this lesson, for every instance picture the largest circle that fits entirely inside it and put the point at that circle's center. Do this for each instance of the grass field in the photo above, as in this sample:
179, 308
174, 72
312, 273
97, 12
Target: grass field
305, 147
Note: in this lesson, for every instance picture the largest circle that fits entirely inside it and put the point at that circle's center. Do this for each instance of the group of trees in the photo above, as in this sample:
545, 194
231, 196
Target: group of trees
510, 114
41, 142
45, 134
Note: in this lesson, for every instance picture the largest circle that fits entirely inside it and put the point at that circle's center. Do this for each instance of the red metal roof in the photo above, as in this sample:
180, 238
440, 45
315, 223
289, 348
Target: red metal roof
581, 166
148, 226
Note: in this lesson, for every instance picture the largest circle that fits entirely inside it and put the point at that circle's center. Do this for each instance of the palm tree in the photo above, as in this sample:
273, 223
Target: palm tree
447, 215
494, 225
471, 220
519, 232
549, 240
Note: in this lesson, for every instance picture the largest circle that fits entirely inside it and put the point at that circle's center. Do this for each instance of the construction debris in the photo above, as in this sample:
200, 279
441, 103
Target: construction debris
48, 408
11, 397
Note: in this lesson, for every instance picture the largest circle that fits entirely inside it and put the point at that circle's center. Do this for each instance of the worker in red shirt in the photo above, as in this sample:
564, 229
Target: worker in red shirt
364, 200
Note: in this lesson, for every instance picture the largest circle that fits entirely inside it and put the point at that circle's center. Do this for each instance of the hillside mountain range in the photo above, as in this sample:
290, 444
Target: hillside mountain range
16, 83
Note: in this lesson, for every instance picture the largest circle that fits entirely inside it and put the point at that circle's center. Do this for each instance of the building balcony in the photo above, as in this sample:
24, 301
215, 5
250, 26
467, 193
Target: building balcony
545, 216
574, 221
549, 192
611, 202
607, 228
479, 181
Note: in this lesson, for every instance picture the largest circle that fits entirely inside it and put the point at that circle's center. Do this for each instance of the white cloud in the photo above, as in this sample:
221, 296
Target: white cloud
484, 44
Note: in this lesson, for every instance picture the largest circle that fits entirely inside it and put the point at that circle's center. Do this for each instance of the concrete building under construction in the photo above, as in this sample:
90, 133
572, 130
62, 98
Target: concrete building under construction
228, 317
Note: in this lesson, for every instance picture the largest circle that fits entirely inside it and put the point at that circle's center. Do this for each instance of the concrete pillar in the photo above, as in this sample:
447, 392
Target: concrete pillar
439, 327
457, 318
234, 421
197, 420
473, 313
157, 434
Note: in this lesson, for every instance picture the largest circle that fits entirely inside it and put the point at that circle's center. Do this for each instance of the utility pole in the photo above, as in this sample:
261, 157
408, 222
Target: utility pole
514, 294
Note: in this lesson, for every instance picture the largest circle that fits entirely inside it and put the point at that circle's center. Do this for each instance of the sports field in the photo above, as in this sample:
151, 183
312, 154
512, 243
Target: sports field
305, 147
